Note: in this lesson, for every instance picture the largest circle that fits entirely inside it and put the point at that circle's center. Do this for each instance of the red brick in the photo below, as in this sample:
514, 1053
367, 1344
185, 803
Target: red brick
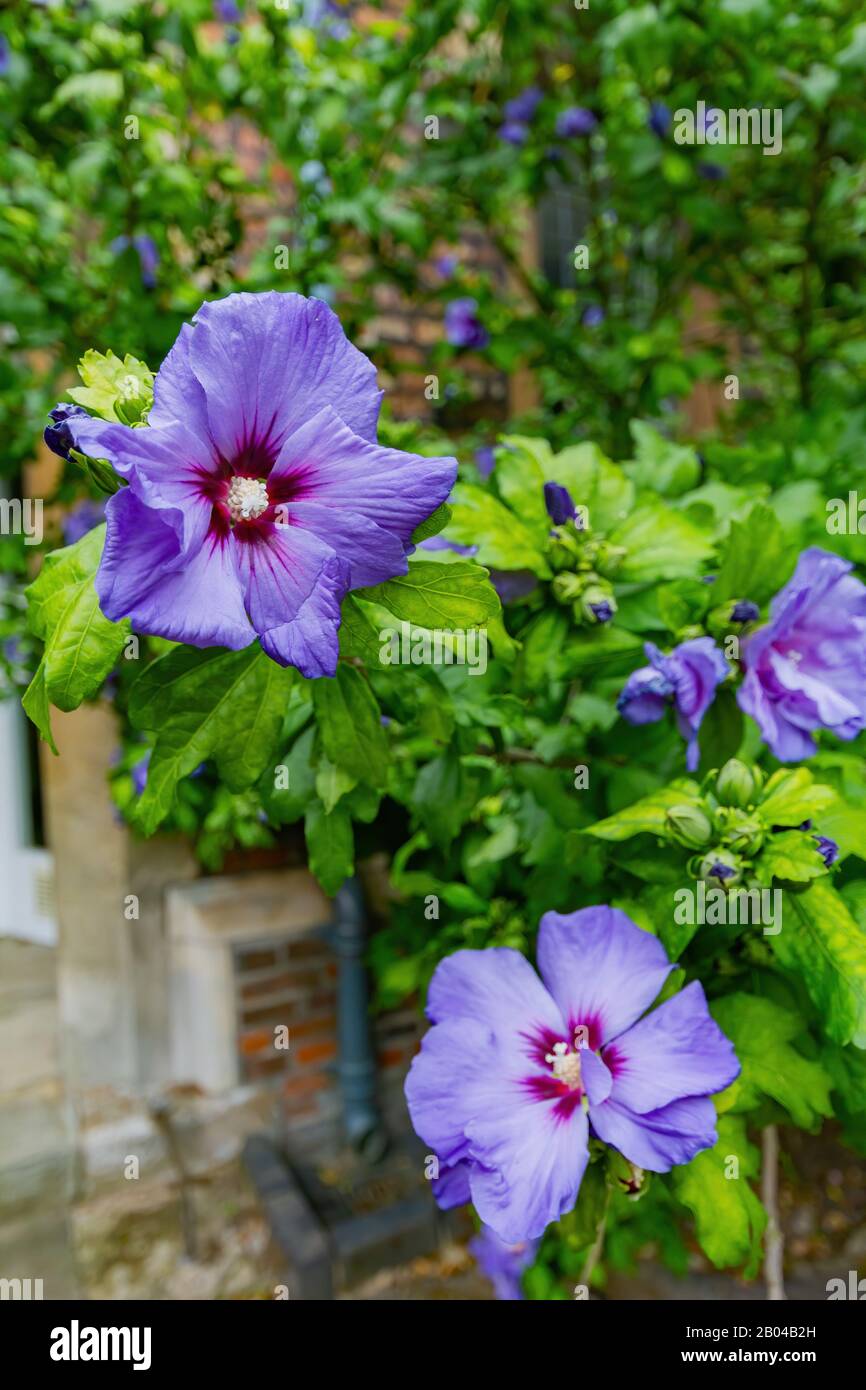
316, 1052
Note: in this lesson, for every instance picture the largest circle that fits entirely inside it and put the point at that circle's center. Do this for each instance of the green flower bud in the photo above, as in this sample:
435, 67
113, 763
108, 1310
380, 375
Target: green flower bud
626, 1176
736, 784
567, 587
745, 834
689, 825
720, 867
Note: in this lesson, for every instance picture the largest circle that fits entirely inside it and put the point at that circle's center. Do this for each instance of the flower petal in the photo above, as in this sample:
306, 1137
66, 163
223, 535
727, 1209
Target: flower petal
373, 554
499, 986
325, 462
294, 585
145, 576
178, 395
658, 1140
447, 1081
678, 1050
269, 362
529, 1162
601, 969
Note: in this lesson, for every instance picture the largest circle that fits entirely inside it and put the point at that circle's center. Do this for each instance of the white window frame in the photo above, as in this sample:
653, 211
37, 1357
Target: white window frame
26, 870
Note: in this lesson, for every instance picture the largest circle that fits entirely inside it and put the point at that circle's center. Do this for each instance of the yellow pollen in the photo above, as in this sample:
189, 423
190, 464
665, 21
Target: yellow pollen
247, 498
565, 1066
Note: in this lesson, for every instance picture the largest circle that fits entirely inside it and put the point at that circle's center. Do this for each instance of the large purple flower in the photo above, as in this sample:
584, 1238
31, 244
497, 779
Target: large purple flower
516, 1075
806, 669
258, 494
687, 677
463, 327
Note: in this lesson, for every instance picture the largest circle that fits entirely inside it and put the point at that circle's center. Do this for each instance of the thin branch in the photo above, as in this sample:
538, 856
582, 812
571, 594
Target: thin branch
774, 1242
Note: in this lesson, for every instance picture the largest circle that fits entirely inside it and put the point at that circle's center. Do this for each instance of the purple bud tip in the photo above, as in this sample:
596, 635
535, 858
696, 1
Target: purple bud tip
721, 871
557, 500
58, 436
577, 120
745, 612
602, 611
593, 316
828, 849
514, 132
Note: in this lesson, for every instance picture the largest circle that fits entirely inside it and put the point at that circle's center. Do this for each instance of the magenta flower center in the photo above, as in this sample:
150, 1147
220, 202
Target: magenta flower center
247, 498
565, 1066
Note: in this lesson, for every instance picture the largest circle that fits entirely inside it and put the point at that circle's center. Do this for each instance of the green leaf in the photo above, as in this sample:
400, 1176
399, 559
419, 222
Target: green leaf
81, 646
443, 796
593, 481
358, 636
821, 942
330, 846
721, 731
287, 804
755, 559
479, 518
729, 1219
457, 595
659, 544
436, 522
762, 1033
660, 465
790, 797
350, 725
332, 783
646, 816
207, 703
110, 383
791, 854
519, 481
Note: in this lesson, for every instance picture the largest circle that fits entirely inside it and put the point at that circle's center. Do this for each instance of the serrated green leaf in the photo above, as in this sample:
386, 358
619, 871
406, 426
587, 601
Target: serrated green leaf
755, 558
729, 1218
350, 725
436, 522
504, 542
791, 854
659, 544
207, 703
648, 814
763, 1033
358, 636
822, 943
330, 846
792, 796
660, 465
457, 595
81, 645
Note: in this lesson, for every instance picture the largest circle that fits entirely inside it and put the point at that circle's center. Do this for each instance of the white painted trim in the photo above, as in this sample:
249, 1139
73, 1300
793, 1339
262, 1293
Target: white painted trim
24, 868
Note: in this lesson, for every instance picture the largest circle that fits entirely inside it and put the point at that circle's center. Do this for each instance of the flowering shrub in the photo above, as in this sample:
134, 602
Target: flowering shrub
703, 941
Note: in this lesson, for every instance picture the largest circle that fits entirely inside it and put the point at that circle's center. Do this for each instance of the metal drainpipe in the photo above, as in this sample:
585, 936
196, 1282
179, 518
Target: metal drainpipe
356, 1061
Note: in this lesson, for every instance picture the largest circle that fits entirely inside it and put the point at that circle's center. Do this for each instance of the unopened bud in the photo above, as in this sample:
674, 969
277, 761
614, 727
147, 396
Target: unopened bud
689, 826
736, 785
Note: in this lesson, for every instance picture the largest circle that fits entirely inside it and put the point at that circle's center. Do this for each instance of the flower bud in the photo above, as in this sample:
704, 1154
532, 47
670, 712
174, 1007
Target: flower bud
745, 834
597, 603
689, 826
566, 587
720, 867
736, 784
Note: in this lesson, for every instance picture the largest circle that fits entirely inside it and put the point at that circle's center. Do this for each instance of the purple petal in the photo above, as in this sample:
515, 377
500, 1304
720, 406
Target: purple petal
678, 1050
448, 1082
601, 969
145, 576
529, 1163
324, 462
661, 1139
497, 985
294, 584
269, 362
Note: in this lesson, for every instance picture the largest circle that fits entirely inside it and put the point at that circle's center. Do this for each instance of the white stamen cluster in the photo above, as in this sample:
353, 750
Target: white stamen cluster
566, 1065
247, 498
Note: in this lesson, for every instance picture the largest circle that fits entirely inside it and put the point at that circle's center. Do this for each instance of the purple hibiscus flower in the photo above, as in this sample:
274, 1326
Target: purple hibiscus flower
687, 677
5, 55
516, 1075
257, 496
485, 460
513, 132
524, 106
806, 668
440, 543
463, 328
577, 120
593, 316
229, 11
503, 1264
